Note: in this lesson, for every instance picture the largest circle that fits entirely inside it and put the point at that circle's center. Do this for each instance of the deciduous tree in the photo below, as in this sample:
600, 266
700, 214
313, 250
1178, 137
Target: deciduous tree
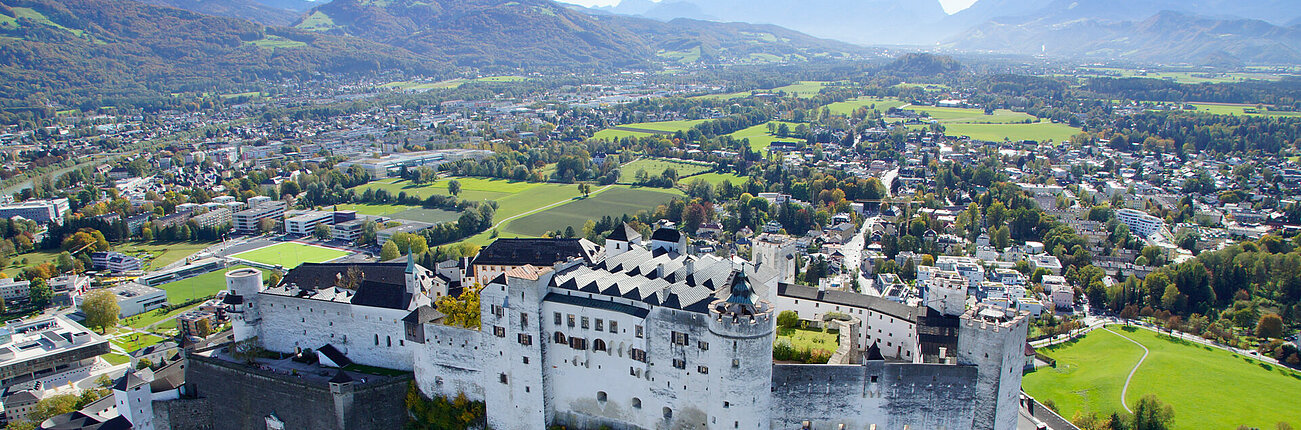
101, 310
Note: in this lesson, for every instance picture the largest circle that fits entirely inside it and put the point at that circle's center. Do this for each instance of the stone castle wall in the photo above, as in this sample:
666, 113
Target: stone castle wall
880, 394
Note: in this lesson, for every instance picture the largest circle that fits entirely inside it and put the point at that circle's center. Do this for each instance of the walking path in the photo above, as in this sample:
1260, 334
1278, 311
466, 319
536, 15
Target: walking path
1125, 389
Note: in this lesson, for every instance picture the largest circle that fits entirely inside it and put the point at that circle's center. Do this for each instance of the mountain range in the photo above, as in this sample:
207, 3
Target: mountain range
1167, 31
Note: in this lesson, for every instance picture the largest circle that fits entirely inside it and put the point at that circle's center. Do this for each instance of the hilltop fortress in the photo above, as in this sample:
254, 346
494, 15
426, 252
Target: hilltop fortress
637, 335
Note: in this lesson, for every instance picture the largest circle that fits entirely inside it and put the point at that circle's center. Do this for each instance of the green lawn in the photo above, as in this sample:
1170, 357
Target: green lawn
512, 197
760, 138
33, 258
432, 216
802, 89
615, 201
812, 339
849, 106
205, 285
646, 129
656, 166
716, 179
972, 116
161, 253
1040, 131
272, 41
317, 21
131, 341
116, 359
375, 210
150, 318
1238, 109
1208, 387
289, 254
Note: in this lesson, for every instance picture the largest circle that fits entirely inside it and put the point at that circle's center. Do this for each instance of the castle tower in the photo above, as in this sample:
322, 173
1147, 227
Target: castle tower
511, 320
134, 400
774, 258
341, 389
742, 326
621, 240
243, 286
993, 340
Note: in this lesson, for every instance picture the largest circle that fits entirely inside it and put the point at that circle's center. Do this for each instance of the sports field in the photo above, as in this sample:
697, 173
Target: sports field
760, 138
656, 166
615, 201
646, 129
207, 284
972, 116
290, 254
849, 106
1208, 387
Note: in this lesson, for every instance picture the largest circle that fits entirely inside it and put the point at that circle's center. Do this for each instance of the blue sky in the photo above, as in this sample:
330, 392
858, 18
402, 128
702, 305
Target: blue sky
950, 6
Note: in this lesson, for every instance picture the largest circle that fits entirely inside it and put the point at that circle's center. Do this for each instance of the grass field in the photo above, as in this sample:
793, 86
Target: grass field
116, 359
972, 116
615, 201
474, 189
1238, 109
759, 137
409, 213
716, 179
152, 317
1180, 77
1208, 387
289, 254
205, 285
646, 129
1040, 131
131, 341
849, 106
272, 41
802, 89
317, 21
161, 254
812, 339
656, 166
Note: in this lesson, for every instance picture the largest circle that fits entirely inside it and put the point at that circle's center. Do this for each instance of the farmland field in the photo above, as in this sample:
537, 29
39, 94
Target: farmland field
760, 138
410, 213
290, 255
1208, 387
656, 166
615, 201
803, 89
646, 129
849, 106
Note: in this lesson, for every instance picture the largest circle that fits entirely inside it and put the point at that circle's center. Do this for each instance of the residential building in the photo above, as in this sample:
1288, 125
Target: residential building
115, 262
41, 211
247, 221
1139, 222
305, 224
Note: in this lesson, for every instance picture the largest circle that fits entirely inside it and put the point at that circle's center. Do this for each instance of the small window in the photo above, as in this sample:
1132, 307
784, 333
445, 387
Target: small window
584, 322
873, 379
499, 331
502, 378
560, 338
636, 403
614, 326
703, 370
600, 396
570, 317
668, 413
557, 317
679, 363
524, 320
727, 405
680, 338
525, 339
638, 331
600, 324
736, 362
704, 346
526, 360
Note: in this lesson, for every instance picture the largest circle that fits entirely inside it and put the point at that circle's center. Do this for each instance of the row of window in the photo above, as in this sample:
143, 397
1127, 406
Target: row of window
586, 323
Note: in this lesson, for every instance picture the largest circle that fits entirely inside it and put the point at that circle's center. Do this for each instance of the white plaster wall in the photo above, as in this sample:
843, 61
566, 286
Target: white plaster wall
897, 337
289, 323
451, 361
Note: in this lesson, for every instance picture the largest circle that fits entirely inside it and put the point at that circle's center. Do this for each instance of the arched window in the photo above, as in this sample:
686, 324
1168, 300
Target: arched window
636, 403
598, 345
600, 396
668, 413
560, 337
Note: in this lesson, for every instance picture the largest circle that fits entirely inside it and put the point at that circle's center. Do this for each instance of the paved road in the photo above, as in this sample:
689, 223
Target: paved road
853, 250
1124, 390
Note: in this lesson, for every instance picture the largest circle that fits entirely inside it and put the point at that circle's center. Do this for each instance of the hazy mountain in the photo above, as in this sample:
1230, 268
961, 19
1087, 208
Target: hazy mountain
1167, 37
79, 50
244, 9
542, 33
855, 21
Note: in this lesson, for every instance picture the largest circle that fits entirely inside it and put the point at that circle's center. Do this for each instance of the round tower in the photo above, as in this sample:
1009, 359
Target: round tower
742, 326
243, 286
